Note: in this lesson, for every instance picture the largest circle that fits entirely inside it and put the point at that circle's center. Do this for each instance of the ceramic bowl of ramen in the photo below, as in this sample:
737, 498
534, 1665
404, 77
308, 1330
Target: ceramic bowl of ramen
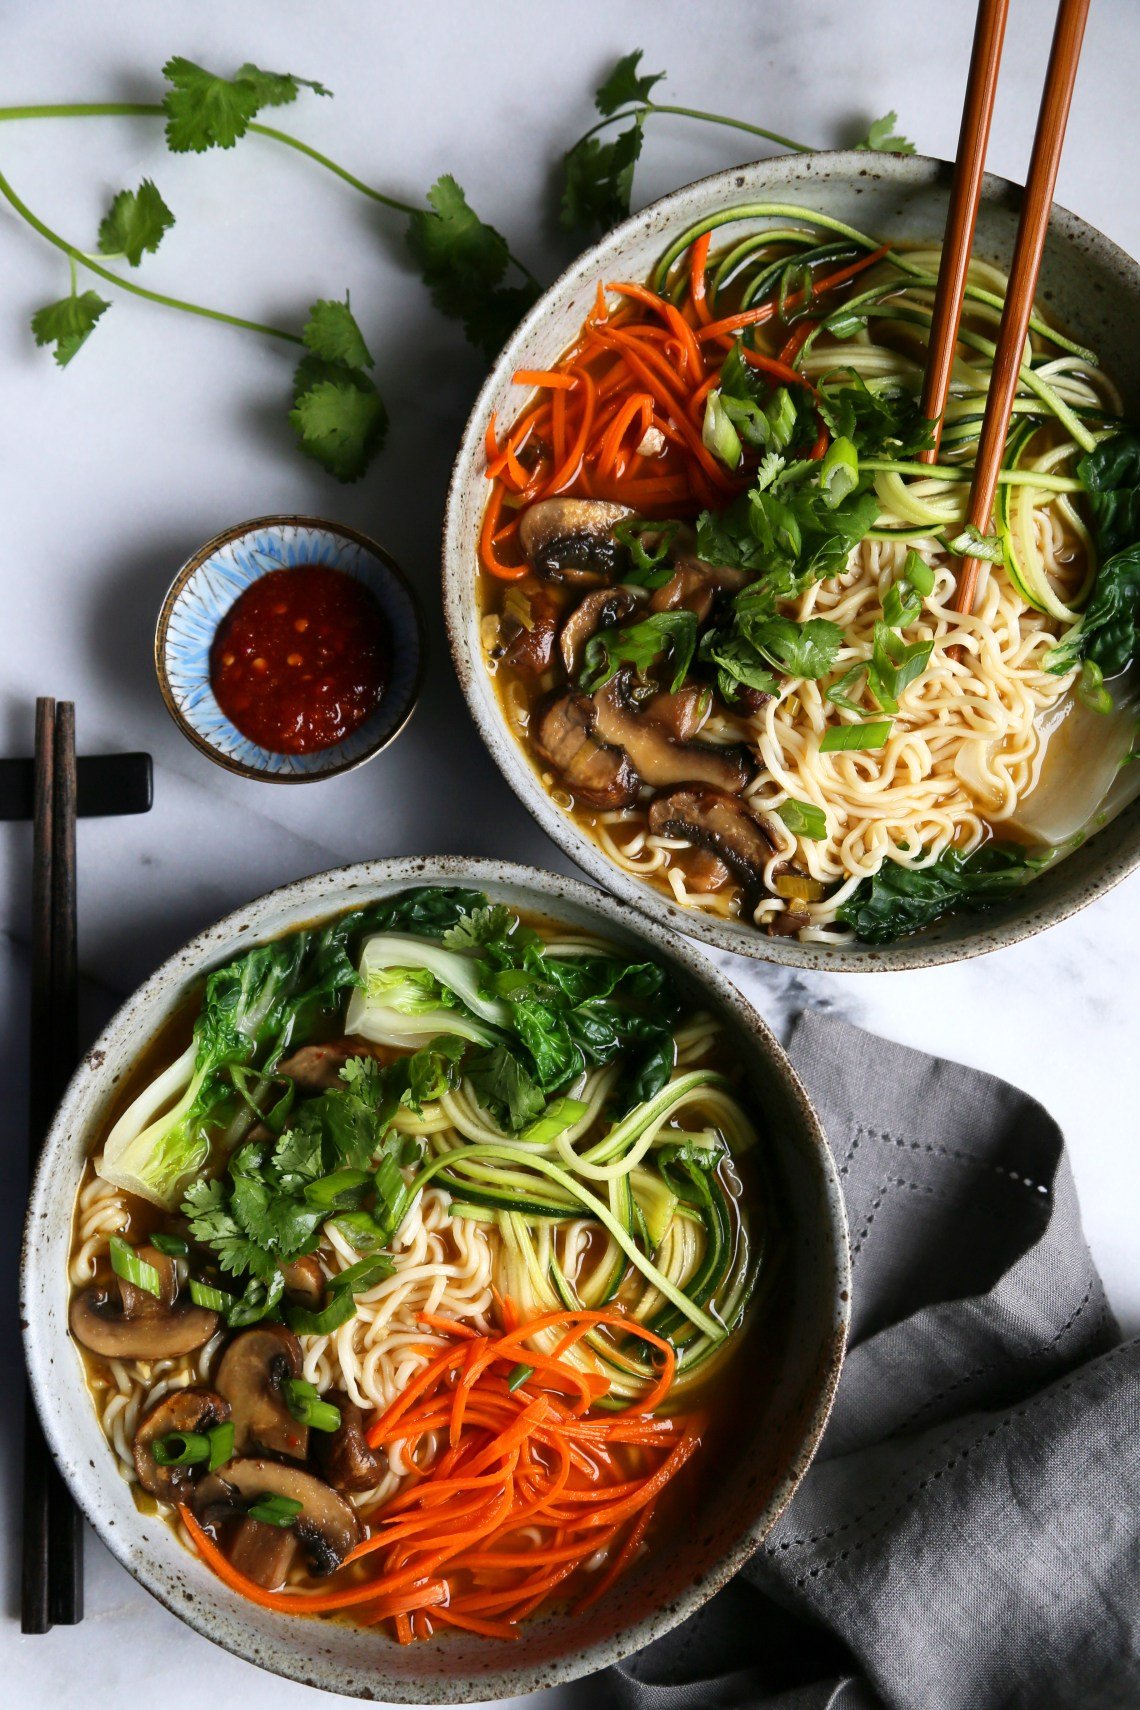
701, 595
235, 1441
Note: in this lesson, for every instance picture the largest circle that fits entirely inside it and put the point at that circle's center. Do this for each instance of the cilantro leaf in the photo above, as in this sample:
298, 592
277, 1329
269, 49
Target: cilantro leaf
68, 324
341, 423
463, 260
331, 333
599, 180
206, 111
624, 85
481, 927
641, 644
882, 138
135, 221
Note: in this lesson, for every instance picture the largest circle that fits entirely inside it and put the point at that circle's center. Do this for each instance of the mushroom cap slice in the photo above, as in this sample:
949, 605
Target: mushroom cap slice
595, 774
571, 540
182, 1410
599, 610
343, 1455
722, 824
304, 1281
326, 1527
139, 1302
250, 1375
263, 1553
96, 1318
530, 651
656, 758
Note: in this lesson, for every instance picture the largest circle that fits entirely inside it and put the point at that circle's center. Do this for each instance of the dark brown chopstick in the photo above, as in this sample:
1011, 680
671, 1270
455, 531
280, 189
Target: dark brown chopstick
962, 217
1029, 246
52, 1567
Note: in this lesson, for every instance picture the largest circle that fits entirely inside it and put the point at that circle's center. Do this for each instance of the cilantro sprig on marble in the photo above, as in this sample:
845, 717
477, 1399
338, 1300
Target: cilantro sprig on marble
598, 174
337, 413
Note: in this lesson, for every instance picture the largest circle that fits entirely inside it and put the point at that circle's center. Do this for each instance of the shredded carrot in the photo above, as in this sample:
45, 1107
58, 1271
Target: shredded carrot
550, 378
517, 1490
698, 280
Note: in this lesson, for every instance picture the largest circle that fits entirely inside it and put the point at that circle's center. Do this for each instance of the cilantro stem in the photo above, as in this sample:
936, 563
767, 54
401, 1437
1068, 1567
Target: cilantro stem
690, 113
77, 256
153, 110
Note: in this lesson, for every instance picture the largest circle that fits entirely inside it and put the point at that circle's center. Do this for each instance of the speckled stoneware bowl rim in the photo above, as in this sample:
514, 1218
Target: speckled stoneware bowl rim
194, 564
173, 1576
981, 933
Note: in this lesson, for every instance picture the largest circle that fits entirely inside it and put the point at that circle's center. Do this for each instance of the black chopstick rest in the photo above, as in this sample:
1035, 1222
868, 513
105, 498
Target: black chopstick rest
107, 784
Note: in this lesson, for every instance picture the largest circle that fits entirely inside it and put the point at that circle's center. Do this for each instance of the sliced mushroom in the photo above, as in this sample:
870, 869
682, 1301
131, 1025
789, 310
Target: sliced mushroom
182, 1410
658, 760
683, 712
250, 1375
326, 1526
316, 1068
304, 1282
263, 1553
97, 1319
705, 871
571, 540
719, 823
789, 921
599, 776
343, 1455
530, 649
139, 1302
694, 585
599, 610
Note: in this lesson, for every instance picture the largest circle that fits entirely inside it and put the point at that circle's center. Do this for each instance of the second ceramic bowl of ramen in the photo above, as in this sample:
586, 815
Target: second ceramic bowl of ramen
1091, 291
772, 1424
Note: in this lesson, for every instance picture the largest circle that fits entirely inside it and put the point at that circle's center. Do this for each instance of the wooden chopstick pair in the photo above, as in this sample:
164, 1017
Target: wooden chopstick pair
958, 244
52, 1581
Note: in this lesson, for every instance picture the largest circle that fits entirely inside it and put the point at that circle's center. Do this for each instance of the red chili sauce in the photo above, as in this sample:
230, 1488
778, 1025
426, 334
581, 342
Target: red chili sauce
300, 659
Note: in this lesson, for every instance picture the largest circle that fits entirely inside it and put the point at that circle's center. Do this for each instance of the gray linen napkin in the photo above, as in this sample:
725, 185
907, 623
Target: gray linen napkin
968, 1537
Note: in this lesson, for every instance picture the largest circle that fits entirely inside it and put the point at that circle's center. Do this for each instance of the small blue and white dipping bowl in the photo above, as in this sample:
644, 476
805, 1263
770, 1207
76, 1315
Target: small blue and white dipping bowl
205, 589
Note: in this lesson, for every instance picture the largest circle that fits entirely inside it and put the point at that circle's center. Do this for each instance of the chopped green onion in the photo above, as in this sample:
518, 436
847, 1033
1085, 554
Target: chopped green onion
361, 1230
221, 1445
213, 1299
305, 1404
837, 692
1090, 690
718, 434
181, 1448
918, 573
172, 1245
804, 819
359, 1278
781, 413
839, 472
276, 1510
851, 738
338, 1192
895, 664
518, 1377
900, 605
339, 1310
555, 1119
126, 1263
971, 543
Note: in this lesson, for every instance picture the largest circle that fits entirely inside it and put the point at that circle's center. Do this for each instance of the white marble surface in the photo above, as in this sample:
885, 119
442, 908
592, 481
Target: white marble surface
166, 429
